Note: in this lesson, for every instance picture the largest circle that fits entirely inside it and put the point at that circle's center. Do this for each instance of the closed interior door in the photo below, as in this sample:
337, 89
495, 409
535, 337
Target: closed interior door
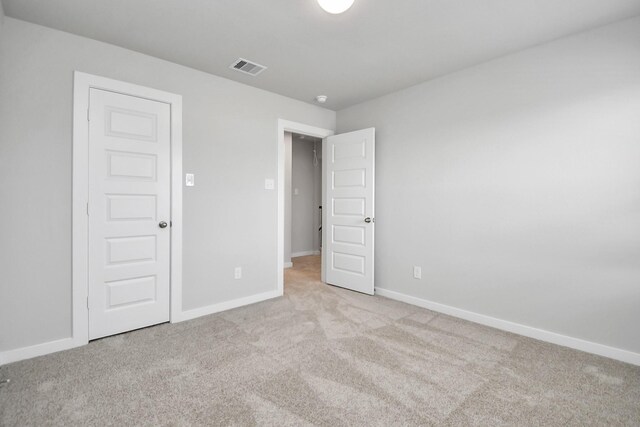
349, 214
129, 212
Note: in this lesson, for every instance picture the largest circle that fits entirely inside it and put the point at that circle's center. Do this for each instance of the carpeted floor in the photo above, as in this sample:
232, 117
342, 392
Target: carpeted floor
320, 356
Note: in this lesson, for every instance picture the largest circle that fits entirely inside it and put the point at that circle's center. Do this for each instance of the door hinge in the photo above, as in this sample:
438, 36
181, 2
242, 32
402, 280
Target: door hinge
87, 303
87, 209
88, 116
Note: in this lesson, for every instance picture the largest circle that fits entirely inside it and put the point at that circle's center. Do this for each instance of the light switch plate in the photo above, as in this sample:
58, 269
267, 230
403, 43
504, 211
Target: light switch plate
190, 180
417, 272
269, 184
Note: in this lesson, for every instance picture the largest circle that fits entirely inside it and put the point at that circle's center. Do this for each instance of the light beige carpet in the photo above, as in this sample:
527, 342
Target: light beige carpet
320, 356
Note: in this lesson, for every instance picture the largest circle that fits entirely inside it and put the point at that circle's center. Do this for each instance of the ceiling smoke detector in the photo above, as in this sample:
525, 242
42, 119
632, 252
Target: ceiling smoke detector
247, 67
321, 99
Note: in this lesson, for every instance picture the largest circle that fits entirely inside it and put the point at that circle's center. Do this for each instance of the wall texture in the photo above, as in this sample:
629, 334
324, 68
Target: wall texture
230, 143
515, 184
305, 178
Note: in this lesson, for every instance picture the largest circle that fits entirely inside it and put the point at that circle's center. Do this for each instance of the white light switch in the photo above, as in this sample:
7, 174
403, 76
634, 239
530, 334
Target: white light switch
190, 180
237, 273
269, 184
417, 272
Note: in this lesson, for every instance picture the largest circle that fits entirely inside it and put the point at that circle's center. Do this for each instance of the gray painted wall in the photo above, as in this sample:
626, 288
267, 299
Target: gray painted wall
230, 143
307, 179
515, 184
1, 18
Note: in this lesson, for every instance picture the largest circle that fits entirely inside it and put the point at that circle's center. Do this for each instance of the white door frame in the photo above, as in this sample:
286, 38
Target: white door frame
288, 126
82, 83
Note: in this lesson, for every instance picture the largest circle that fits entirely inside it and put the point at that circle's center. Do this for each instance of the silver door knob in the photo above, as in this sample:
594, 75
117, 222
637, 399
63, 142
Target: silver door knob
367, 220
162, 224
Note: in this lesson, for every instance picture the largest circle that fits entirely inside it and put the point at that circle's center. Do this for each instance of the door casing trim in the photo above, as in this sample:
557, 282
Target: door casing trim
82, 83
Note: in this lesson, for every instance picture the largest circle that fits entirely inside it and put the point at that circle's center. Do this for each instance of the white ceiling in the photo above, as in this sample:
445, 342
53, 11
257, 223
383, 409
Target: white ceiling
376, 47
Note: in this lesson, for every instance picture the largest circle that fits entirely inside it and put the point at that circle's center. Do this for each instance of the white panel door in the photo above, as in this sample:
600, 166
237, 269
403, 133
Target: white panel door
129, 212
349, 210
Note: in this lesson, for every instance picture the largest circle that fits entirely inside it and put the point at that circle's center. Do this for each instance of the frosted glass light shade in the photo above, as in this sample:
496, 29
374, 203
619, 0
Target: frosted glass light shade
335, 6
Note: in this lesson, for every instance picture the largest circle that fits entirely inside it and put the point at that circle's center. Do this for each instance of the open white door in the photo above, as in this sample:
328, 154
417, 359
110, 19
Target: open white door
348, 210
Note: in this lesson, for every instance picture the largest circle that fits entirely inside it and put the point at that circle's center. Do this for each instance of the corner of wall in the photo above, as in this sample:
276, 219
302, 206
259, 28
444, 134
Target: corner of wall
1, 15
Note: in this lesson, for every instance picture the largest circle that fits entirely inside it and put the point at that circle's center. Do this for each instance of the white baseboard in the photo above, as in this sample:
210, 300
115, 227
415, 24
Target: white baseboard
288, 264
516, 328
227, 305
304, 253
23, 353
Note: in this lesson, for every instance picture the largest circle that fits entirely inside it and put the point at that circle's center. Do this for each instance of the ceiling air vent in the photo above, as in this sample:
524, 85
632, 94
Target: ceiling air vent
247, 67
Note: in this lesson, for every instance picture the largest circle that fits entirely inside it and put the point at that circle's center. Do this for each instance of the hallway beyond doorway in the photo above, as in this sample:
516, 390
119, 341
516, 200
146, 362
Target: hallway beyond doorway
305, 271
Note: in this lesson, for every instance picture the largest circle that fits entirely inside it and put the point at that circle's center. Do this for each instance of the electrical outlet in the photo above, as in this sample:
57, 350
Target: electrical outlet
238, 273
417, 272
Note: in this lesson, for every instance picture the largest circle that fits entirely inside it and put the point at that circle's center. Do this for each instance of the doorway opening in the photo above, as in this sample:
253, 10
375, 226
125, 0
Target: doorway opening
303, 208
346, 241
286, 130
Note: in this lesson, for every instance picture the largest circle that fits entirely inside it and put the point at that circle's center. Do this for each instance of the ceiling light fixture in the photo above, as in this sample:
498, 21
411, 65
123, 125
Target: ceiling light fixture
321, 99
335, 6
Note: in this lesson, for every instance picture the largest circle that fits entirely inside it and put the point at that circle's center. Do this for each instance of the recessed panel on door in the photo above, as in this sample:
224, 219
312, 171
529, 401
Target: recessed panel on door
349, 234
131, 249
129, 124
351, 206
349, 178
131, 207
130, 292
353, 264
351, 150
129, 201
131, 165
